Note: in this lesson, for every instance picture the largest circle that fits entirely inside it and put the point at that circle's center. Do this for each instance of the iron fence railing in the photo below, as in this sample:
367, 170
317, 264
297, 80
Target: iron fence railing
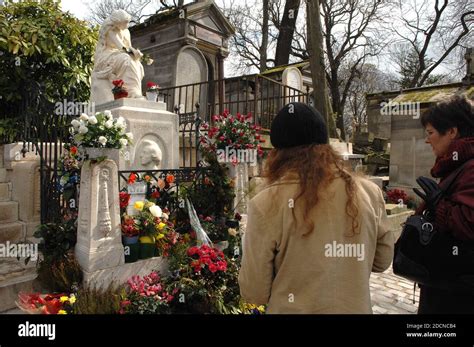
256, 94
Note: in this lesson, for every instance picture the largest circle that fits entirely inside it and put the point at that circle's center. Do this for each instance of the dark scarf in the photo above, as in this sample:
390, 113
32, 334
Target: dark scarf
446, 164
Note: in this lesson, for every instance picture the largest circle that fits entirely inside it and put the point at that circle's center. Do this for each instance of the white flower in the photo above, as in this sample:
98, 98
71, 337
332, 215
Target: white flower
75, 123
109, 124
123, 142
83, 129
108, 114
84, 117
155, 211
129, 135
164, 216
102, 140
121, 122
92, 120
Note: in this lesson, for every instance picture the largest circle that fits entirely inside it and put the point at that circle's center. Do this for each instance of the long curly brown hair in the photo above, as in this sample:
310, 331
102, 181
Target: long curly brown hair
316, 166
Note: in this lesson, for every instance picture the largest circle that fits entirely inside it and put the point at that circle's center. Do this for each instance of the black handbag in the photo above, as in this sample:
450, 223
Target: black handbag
432, 257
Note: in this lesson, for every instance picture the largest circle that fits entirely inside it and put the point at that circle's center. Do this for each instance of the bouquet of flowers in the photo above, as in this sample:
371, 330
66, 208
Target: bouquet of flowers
146, 295
36, 303
153, 226
231, 133
152, 87
119, 90
203, 280
100, 131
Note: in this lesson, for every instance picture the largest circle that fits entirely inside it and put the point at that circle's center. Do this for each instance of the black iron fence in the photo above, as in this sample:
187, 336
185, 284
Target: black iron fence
256, 94
168, 195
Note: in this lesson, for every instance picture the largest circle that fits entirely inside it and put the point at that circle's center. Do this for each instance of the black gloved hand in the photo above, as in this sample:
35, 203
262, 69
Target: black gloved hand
432, 192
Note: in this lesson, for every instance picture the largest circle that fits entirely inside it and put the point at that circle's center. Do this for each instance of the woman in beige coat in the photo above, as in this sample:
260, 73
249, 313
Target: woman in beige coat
316, 232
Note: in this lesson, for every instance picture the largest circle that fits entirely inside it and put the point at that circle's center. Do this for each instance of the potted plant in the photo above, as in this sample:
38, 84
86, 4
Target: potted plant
119, 90
152, 91
100, 136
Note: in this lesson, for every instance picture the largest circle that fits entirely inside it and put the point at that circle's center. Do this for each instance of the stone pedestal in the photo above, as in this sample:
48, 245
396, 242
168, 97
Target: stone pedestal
99, 244
155, 132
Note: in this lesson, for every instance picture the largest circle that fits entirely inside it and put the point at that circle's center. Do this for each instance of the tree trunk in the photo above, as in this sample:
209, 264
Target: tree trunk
287, 30
264, 45
336, 104
316, 60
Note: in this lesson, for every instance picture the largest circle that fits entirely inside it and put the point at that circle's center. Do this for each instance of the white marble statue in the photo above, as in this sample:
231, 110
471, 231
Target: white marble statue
116, 59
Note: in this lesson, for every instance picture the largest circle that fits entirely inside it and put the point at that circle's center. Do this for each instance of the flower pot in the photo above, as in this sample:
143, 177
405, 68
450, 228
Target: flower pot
132, 252
151, 96
147, 250
129, 240
120, 95
103, 153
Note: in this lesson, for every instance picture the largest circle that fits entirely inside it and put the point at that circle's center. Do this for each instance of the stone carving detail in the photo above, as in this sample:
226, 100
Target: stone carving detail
148, 155
105, 223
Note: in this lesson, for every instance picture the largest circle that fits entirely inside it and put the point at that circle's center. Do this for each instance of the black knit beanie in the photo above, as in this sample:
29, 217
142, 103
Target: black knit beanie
298, 124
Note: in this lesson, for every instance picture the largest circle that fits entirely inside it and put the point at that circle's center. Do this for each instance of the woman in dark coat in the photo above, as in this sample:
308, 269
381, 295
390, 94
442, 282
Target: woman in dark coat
449, 129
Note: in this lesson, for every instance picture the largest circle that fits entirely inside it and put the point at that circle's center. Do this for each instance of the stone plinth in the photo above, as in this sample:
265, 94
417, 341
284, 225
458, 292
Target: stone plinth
99, 244
155, 132
120, 274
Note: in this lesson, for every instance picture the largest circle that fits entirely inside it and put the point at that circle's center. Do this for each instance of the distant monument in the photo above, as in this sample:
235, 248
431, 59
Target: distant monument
116, 59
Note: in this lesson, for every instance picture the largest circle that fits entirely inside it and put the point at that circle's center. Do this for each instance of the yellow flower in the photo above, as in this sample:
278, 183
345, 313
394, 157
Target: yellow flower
146, 239
160, 236
62, 312
63, 299
139, 205
72, 299
161, 226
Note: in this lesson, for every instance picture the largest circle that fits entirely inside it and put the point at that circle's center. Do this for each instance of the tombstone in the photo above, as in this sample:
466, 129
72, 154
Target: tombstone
99, 244
293, 78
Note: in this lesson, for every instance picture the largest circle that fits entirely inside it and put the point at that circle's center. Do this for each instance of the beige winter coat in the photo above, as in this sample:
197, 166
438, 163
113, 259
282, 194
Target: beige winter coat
324, 272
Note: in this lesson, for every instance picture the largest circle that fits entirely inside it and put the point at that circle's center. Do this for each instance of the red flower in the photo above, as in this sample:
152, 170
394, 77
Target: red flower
132, 178
169, 178
150, 84
155, 194
124, 199
117, 83
221, 138
212, 268
73, 150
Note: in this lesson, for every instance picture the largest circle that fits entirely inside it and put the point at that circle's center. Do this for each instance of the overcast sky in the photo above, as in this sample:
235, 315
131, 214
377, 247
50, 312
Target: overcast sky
79, 8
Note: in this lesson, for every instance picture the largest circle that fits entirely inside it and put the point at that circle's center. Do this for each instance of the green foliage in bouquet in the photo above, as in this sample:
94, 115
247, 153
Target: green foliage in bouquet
214, 196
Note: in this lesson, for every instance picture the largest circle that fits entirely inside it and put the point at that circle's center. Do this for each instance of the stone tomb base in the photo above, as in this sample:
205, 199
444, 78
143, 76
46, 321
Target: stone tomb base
155, 131
120, 274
